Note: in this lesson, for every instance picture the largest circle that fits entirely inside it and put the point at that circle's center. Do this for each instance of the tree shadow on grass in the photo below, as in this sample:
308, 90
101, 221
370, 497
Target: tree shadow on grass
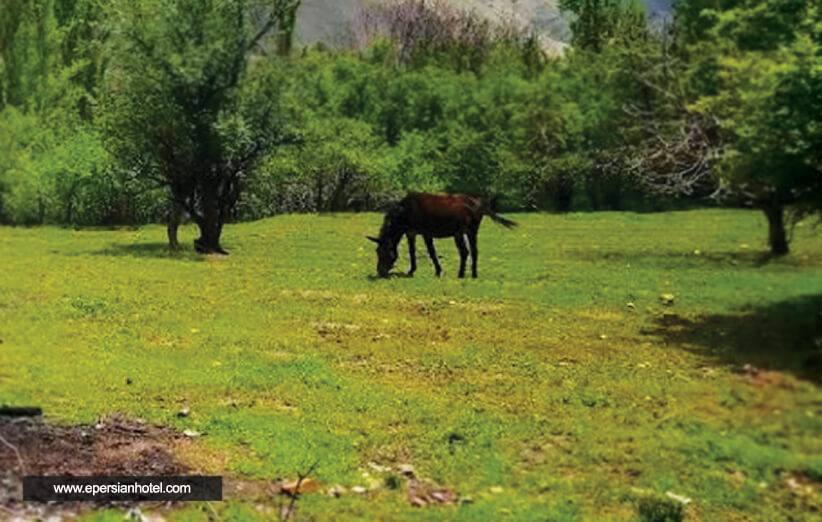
156, 250
784, 336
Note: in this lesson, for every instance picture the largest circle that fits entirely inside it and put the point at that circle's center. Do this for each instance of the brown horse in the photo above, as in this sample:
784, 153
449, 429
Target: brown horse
433, 215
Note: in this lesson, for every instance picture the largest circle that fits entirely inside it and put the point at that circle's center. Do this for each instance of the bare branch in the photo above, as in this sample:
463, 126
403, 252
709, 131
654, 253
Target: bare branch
288, 512
13, 448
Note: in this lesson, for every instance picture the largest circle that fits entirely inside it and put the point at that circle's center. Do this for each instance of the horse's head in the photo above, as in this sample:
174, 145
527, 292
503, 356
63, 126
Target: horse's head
386, 255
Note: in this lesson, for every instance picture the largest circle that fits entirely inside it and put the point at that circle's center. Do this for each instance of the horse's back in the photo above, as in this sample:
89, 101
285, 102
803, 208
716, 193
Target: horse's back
444, 204
442, 214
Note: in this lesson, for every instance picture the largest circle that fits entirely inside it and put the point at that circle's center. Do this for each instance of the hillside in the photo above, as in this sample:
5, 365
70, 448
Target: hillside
332, 22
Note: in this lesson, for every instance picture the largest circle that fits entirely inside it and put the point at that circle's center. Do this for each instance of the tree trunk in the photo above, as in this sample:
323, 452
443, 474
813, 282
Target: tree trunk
593, 197
564, 194
776, 229
209, 240
70, 203
69, 210
613, 194
335, 202
211, 226
287, 19
175, 216
319, 199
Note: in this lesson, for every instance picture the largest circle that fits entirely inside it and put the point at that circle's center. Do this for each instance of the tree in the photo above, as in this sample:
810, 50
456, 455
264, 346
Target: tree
770, 108
184, 107
335, 168
51, 146
732, 111
598, 23
610, 40
758, 107
286, 21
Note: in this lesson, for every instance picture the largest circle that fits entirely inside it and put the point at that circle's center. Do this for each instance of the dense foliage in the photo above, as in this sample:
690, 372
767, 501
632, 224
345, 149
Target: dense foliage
182, 109
99, 100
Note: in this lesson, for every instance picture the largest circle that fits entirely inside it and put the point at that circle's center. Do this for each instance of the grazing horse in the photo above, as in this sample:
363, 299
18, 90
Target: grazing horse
433, 215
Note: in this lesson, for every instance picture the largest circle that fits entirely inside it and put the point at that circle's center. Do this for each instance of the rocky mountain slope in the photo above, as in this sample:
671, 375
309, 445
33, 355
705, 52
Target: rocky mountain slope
333, 21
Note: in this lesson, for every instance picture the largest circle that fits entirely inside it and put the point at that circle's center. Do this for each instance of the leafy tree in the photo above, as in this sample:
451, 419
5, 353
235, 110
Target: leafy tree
695, 18
337, 166
185, 109
769, 108
728, 106
599, 23
286, 12
52, 148
539, 133
611, 41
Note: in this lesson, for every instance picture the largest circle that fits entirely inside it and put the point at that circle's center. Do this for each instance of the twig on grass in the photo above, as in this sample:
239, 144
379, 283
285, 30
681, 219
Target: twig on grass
214, 513
289, 510
13, 448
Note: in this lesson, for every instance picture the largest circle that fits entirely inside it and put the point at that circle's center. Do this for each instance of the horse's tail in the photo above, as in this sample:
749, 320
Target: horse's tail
489, 209
507, 223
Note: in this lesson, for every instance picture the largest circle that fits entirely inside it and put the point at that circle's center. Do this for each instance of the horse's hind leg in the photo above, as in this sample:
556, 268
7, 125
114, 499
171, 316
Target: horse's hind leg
472, 243
429, 244
460, 241
412, 253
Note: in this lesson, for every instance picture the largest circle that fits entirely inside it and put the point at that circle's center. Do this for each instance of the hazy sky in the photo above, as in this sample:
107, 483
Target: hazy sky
659, 6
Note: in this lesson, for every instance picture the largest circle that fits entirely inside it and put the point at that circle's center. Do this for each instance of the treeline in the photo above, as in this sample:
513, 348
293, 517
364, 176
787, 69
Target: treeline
440, 99
53, 166
111, 113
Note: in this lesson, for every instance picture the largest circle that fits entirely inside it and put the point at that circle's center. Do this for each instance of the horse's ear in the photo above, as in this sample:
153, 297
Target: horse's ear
374, 239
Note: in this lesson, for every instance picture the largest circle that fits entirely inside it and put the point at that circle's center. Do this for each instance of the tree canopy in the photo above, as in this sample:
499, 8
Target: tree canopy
768, 104
183, 107
113, 111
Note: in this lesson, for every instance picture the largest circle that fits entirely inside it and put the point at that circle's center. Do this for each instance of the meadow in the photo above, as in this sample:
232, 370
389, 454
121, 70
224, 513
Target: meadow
600, 361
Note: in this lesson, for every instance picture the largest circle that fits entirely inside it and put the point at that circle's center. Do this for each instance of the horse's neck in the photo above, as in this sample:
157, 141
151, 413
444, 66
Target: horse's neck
397, 227
396, 234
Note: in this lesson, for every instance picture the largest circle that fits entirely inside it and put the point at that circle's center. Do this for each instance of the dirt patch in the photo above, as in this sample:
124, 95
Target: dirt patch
807, 490
112, 447
766, 378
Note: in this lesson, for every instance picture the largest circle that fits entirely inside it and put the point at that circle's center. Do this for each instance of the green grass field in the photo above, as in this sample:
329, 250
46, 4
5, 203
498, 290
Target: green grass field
556, 386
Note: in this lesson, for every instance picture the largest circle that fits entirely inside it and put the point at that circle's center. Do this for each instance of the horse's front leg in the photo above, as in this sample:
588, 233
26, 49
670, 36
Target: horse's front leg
429, 244
463, 250
412, 253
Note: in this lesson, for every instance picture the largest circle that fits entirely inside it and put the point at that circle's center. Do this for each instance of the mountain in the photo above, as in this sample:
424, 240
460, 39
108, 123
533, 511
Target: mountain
332, 22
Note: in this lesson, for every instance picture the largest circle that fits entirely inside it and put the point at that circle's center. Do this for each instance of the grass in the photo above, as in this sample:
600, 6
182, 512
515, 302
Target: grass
556, 386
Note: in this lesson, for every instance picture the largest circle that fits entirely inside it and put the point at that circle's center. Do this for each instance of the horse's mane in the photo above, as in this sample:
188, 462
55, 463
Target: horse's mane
392, 225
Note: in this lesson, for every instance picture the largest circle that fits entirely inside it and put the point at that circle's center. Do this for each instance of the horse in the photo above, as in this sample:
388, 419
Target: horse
433, 216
